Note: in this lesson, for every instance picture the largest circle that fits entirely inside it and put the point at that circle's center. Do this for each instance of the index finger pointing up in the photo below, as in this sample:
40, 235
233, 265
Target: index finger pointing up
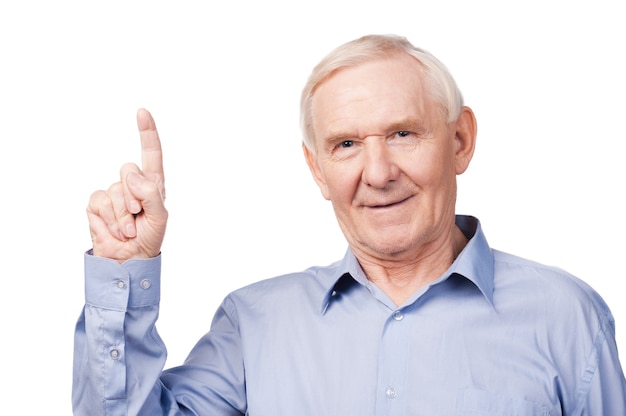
151, 154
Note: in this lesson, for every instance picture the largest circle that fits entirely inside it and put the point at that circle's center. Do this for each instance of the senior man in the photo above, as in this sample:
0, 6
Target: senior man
420, 317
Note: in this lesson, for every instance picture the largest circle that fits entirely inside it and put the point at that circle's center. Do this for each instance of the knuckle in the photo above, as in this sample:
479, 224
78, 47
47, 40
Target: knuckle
128, 167
95, 196
114, 189
97, 201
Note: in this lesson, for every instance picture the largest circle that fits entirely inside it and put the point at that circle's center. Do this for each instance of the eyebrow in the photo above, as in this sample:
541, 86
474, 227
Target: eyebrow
406, 124
410, 123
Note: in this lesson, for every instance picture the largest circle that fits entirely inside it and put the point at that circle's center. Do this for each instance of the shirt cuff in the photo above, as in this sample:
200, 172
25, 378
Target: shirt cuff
132, 284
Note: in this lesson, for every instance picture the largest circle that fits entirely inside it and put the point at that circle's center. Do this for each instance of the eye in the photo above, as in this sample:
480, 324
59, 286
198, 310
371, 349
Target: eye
344, 148
403, 133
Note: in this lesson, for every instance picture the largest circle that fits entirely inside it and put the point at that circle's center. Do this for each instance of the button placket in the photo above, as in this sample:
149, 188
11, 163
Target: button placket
392, 363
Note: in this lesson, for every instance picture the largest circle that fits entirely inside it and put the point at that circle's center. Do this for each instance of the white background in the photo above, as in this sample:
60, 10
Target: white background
222, 79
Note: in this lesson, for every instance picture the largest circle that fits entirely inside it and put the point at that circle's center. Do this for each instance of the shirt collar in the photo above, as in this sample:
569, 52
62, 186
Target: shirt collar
475, 263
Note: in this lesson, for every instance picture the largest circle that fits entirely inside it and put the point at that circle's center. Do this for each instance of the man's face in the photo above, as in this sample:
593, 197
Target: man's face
386, 158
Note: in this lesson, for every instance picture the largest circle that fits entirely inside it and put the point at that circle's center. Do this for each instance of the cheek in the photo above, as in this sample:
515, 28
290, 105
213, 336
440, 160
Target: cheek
341, 183
430, 169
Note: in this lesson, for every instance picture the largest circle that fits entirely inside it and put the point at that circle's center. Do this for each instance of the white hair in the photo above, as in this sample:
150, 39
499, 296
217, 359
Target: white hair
438, 80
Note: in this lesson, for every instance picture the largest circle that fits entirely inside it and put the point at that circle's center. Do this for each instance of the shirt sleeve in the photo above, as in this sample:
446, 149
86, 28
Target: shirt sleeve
602, 388
118, 355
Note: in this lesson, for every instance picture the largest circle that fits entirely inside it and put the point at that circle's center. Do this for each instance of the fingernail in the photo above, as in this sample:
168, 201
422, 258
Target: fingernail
134, 207
130, 230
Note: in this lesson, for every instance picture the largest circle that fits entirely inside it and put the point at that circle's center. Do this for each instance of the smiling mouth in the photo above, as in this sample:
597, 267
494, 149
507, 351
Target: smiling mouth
388, 205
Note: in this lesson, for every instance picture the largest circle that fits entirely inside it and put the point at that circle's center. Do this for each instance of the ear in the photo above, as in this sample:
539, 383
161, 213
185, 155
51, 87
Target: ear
316, 171
465, 137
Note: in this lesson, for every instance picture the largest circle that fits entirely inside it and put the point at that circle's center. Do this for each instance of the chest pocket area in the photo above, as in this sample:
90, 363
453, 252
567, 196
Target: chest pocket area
483, 403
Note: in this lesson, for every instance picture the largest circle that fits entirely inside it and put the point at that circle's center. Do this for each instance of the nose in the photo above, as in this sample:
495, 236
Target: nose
379, 167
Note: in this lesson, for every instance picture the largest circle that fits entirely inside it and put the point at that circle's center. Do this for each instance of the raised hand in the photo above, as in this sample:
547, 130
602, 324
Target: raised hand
128, 220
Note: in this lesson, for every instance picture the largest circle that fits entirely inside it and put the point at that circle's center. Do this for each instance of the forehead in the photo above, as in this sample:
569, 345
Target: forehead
364, 99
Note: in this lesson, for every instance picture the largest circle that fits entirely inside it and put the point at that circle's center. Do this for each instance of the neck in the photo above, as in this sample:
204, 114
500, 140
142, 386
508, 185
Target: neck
401, 278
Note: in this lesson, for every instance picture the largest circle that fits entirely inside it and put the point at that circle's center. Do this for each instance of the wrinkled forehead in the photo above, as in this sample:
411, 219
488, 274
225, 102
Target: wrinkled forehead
365, 75
366, 98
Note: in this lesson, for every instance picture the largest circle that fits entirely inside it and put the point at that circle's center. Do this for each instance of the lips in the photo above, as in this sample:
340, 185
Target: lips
386, 204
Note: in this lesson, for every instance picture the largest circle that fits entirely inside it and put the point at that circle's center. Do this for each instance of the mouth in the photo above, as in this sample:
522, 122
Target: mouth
390, 204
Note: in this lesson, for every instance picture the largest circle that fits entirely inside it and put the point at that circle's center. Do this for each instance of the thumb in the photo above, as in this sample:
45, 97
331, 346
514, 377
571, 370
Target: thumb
148, 193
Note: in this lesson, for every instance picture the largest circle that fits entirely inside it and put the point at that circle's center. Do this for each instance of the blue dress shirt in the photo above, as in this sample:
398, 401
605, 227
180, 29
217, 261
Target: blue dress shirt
494, 335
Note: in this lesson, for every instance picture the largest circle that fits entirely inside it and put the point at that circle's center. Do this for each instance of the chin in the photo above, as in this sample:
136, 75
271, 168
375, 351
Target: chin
391, 248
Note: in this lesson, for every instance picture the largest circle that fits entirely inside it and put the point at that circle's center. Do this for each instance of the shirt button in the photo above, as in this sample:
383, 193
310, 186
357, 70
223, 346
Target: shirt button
121, 284
145, 284
114, 354
398, 316
391, 393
